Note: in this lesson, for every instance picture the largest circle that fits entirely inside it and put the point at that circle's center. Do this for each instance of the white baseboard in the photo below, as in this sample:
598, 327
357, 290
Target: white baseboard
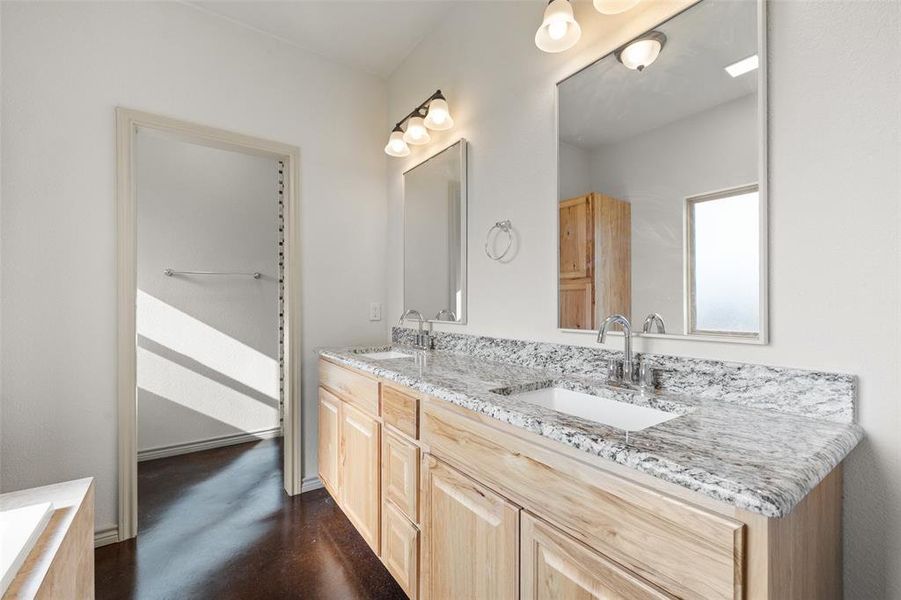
310, 483
217, 442
104, 537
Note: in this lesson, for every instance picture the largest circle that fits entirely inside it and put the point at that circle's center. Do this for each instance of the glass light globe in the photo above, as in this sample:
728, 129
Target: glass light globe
614, 7
559, 30
416, 132
396, 145
640, 53
439, 118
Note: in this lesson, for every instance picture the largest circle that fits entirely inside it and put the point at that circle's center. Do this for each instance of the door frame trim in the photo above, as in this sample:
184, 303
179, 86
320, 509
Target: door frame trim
127, 123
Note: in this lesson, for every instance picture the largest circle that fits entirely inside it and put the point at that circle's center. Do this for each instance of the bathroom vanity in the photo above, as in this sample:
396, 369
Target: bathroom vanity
490, 468
467, 488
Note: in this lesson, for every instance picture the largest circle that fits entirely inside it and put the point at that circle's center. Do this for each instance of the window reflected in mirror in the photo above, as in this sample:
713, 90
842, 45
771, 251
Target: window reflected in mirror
639, 152
723, 262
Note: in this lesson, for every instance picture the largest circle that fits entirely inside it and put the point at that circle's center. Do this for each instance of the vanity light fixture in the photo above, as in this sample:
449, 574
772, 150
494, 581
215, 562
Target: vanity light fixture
433, 113
438, 118
416, 132
396, 145
745, 65
559, 30
641, 52
614, 7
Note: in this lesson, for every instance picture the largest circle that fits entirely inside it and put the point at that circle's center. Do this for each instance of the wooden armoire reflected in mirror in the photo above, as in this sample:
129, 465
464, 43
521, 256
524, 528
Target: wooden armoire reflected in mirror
595, 260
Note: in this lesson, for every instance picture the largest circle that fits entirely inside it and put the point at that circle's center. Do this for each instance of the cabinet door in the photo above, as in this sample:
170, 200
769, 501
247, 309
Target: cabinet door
555, 566
472, 536
329, 440
576, 299
576, 238
400, 549
360, 472
400, 474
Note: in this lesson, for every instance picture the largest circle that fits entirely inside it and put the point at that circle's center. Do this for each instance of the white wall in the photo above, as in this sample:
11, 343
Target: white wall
575, 171
655, 172
834, 124
66, 66
207, 363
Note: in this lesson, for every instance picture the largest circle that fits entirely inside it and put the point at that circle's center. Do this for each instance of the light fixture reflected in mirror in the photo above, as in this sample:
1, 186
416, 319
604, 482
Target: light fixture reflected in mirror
559, 30
433, 113
641, 52
614, 7
396, 145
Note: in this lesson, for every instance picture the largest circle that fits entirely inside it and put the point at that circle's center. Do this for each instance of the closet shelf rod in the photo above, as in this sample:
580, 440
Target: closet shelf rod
171, 272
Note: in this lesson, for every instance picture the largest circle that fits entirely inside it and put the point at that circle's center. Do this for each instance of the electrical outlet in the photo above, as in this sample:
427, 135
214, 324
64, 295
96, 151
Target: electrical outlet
375, 311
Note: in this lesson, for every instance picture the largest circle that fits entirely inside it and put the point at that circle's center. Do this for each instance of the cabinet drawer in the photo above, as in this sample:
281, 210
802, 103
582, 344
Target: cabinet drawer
400, 474
400, 410
354, 388
400, 549
684, 549
555, 566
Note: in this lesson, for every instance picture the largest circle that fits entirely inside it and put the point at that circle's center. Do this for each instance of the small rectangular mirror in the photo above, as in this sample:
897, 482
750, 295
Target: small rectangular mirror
662, 179
435, 236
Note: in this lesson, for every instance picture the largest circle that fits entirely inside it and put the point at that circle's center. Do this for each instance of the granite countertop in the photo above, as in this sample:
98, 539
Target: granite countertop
755, 459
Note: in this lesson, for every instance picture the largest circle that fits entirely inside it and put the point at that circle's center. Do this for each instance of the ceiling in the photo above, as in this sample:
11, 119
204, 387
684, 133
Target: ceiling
374, 36
608, 103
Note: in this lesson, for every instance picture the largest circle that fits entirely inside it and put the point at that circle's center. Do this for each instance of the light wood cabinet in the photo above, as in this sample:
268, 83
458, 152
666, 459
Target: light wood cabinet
400, 474
360, 496
401, 411
353, 388
556, 566
595, 253
459, 505
471, 538
329, 439
576, 238
687, 550
576, 304
400, 549
613, 256
60, 565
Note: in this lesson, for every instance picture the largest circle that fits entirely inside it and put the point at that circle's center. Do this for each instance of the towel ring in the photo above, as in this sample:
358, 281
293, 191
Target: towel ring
506, 227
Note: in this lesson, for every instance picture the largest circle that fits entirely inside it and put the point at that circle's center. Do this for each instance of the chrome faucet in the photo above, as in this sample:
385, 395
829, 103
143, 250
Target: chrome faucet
643, 375
628, 375
651, 320
423, 339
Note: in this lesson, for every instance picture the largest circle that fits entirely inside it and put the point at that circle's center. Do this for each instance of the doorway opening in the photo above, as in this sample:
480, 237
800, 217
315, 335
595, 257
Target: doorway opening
208, 226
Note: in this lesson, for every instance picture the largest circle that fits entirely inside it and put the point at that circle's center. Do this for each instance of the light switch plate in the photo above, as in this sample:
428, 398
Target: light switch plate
375, 311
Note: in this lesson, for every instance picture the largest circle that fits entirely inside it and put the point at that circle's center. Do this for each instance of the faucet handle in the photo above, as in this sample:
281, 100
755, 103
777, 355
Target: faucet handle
647, 378
614, 370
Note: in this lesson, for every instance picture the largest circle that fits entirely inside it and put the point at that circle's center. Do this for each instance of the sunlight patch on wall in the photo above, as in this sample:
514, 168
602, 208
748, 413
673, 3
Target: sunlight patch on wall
201, 394
186, 335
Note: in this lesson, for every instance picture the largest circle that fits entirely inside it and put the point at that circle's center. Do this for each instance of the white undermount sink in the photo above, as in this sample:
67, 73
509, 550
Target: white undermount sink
385, 355
622, 415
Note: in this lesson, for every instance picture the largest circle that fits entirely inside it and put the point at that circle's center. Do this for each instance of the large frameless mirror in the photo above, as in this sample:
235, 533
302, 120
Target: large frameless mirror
435, 236
662, 180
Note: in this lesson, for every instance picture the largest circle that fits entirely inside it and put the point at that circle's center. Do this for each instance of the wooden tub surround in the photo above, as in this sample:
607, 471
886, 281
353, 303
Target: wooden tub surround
60, 566
459, 505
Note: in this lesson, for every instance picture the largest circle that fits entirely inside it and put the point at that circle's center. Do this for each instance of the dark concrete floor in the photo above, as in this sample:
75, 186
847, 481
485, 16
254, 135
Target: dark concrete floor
217, 524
